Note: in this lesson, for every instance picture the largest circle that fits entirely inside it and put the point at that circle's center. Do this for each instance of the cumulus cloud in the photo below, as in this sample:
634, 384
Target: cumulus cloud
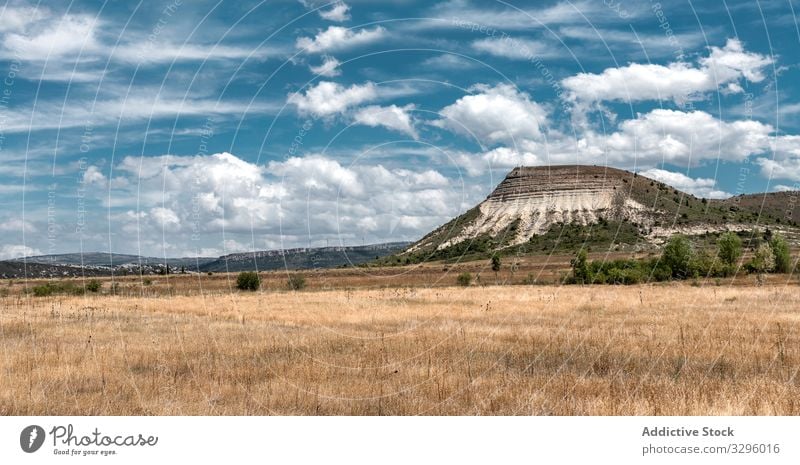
285, 203
330, 98
8, 252
494, 115
328, 68
165, 218
339, 38
700, 187
391, 117
339, 12
785, 188
676, 81
652, 139
681, 138
92, 175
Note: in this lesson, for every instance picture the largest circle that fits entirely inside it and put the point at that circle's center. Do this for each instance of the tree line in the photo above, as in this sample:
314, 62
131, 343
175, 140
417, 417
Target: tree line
680, 260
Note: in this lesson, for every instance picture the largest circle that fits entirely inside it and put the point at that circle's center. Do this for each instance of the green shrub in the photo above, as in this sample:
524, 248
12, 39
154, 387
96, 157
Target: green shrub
581, 273
706, 263
678, 256
43, 290
464, 279
297, 282
730, 248
780, 250
658, 270
93, 286
248, 281
47, 289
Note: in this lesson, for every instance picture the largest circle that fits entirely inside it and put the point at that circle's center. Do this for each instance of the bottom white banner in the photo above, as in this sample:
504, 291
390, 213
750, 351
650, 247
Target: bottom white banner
400, 440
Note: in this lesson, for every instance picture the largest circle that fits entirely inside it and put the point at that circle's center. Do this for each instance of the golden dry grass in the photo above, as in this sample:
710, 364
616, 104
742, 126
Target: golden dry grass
530, 350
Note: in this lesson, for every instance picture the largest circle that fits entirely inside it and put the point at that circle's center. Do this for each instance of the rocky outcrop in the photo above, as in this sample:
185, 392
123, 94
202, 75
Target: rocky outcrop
536, 198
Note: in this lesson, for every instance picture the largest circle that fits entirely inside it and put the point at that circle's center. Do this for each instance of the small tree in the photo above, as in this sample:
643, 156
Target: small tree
297, 282
780, 250
763, 260
93, 286
730, 248
248, 281
464, 279
495, 265
580, 268
678, 256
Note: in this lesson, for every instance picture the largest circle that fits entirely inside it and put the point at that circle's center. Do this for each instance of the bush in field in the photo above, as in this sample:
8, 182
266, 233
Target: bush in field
581, 274
93, 286
763, 260
47, 289
248, 281
730, 248
297, 282
618, 272
707, 264
678, 256
780, 250
464, 279
659, 270
495, 265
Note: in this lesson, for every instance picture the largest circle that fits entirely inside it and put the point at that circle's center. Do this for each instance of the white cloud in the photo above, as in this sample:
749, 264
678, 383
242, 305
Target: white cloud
506, 18
339, 38
732, 62
53, 37
700, 187
285, 203
165, 218
339, 12
785, 168
146, 52
392, 117
142, 104
330, 98
495, 114
515, 49
8, 252
652, 139
328, 68
677, 81
637, 43
17, 19
92, 175
17, 225
449, 61
681, 138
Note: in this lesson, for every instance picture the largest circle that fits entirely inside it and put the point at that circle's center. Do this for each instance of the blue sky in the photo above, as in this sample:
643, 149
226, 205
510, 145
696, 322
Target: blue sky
178, 129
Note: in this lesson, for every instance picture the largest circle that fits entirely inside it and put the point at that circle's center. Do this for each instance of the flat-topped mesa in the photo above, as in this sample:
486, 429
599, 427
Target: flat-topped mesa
535, 198
527, 182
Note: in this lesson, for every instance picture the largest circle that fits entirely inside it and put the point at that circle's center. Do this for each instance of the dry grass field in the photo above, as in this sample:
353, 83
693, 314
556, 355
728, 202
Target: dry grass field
514, 350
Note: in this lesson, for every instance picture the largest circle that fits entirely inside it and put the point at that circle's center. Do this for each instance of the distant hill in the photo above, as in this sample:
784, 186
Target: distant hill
103, 259
549, 208
304, 258
98, 263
